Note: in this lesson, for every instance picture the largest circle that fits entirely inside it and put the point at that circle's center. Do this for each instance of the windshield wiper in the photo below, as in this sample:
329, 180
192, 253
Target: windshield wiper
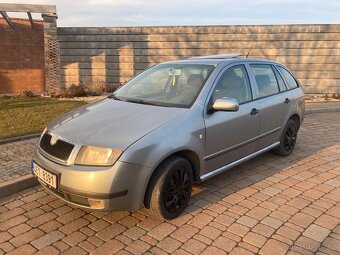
138, 101
141, 101
112, 96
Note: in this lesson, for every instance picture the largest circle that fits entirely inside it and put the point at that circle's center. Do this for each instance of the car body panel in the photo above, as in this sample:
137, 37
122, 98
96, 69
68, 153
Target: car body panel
273, 113
189, 130
224, 144
100, 183
230, 135
101, 124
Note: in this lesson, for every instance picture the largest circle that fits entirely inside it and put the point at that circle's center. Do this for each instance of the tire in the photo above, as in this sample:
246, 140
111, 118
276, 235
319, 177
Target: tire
288, 139
175, 176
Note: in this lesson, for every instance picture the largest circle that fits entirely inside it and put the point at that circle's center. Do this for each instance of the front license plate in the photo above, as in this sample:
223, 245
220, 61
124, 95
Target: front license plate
45, 176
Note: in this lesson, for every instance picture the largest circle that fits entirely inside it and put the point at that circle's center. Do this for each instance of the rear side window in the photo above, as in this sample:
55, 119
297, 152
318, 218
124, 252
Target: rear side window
280, 80
265, 79
291, 82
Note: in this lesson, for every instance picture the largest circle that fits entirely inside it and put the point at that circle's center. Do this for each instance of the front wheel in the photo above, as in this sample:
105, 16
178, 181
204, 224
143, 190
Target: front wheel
170, 189
288, 139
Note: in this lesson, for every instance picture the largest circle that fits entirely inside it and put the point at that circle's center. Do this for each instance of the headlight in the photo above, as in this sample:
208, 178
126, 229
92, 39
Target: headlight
94, 156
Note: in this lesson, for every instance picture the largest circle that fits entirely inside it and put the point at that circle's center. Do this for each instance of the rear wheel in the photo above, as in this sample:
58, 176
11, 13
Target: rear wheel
170, 189
288, 139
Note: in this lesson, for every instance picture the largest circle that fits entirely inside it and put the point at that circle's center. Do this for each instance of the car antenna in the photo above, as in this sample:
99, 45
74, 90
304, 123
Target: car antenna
250, 47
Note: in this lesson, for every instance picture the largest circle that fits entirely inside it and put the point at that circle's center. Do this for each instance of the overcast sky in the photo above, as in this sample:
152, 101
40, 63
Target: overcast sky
191, 12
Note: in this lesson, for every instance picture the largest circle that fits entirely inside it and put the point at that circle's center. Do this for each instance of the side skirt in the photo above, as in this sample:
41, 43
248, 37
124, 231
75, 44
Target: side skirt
237, 162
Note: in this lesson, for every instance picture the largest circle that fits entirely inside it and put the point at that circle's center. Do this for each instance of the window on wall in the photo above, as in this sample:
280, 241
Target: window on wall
265, 79
234, 84
291, 82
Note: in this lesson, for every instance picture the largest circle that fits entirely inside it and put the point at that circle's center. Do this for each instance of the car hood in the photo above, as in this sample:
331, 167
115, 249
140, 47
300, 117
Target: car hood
112, 124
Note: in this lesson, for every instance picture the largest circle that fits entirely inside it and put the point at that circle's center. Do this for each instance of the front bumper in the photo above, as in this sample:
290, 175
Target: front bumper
119, 187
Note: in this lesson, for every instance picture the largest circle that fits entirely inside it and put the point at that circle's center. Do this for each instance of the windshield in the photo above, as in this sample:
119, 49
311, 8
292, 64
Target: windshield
166, 85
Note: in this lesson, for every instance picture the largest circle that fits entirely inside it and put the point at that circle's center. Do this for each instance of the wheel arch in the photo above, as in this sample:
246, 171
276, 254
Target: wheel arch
189, 155
297, 119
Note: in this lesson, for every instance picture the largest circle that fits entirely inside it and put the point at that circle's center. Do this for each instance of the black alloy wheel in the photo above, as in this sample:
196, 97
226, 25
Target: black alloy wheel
177, 190
288, 139
170, 188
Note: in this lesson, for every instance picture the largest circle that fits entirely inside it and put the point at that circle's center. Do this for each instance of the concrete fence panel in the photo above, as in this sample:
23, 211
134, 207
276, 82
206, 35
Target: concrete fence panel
115, 54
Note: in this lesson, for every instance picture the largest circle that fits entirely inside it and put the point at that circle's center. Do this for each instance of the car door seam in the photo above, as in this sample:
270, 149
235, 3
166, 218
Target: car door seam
214, 155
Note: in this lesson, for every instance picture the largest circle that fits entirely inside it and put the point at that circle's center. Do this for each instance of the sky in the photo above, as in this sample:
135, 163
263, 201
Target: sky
80, 13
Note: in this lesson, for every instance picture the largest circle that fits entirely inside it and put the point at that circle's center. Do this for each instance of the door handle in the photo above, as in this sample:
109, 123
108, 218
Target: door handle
287, 101
254, 111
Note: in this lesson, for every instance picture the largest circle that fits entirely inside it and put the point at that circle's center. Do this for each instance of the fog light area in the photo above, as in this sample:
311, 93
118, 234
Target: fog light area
96, 204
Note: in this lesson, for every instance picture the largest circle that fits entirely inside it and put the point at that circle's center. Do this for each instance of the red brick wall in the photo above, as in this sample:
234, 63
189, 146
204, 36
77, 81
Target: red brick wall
21, 57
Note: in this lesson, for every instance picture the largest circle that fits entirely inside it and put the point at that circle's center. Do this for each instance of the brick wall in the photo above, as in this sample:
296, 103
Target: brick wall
21, 57
114, 55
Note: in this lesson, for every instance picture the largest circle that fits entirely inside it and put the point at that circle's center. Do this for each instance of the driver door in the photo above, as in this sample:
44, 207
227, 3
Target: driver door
231, 135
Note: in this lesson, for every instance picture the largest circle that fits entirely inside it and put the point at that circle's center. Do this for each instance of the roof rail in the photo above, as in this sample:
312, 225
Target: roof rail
219, 56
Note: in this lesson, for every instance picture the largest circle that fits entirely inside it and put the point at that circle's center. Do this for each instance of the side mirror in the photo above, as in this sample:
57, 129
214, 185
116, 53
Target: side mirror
226, 105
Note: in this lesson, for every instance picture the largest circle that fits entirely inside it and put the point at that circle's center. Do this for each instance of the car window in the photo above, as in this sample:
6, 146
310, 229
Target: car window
265, 79
175, 85
234, 84
291, 82
279, 79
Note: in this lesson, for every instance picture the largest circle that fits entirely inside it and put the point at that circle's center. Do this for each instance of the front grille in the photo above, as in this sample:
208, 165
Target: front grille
60, 150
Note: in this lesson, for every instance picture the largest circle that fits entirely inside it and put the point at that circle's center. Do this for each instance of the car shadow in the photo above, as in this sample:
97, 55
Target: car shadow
267, 169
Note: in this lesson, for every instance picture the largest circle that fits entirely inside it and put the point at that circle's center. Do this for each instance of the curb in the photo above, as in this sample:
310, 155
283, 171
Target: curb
322, 110
19, 138
17, 185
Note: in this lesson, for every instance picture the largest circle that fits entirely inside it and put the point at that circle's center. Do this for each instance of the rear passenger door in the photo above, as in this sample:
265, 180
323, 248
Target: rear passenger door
274, 103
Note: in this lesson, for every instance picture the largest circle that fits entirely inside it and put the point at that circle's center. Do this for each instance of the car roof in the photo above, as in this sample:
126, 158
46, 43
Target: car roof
218, 59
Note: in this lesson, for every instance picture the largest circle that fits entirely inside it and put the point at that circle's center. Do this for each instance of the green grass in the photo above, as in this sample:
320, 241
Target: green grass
23, 116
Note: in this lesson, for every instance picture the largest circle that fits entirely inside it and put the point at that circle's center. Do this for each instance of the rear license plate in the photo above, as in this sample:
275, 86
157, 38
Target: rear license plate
45, 176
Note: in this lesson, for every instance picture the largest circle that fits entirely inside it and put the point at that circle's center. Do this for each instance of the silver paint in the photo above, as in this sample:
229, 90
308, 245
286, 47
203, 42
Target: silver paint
148, 134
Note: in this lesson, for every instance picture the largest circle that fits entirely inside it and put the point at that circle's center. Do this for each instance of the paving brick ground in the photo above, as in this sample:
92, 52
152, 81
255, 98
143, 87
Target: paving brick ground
15, 159
322, 105
270, 205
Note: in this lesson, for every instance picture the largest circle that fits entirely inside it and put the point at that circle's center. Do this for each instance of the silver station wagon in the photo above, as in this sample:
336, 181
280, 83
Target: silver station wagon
175, 124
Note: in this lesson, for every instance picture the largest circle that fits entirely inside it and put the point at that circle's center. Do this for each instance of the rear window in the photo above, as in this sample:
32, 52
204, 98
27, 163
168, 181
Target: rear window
290, 81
